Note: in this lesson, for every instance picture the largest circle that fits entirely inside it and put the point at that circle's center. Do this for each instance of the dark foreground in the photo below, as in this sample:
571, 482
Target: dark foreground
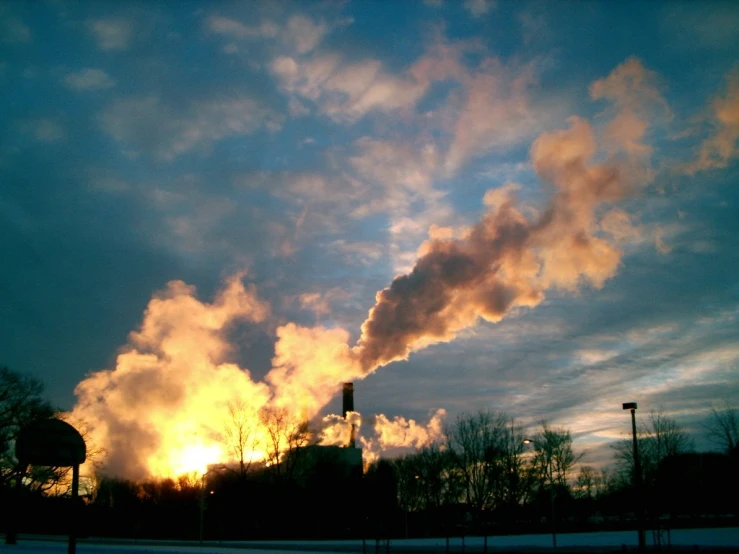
685, 540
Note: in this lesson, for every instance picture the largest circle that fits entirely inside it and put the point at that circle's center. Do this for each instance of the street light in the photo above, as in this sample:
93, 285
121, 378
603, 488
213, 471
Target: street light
637, 477
548, 454
202, 495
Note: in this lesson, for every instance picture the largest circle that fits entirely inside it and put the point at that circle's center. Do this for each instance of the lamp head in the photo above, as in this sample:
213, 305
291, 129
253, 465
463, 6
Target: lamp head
629, 405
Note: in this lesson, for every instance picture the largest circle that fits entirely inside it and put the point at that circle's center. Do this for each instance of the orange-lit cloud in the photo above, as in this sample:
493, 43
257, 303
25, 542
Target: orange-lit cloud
161, 410
497, 111
507, 260
166, 406
400, 432
720, 148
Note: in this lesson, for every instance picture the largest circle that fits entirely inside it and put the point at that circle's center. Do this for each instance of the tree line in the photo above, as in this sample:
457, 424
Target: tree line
486, 474
500, 480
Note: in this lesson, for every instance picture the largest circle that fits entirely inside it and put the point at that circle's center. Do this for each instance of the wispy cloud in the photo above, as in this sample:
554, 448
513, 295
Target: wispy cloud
111, 33
43, 129
720, 147
497, 111
347, 91
299, 35
88, 79
155, 127
478, 8
358, 254
235, 29
303, 34
637, 101
12, 28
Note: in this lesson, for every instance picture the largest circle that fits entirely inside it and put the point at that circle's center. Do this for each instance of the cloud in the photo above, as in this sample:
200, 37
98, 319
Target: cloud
12, 28
165, 131
322, 202
303, 34
720, 147
478, 8
402, 433
346, 92
88, 79
402, 174
497, 111
299, 35
172, 373
506, 260
696, 27
618, 224
636, 99
320, 303
358, 254
112, 33
396, 166
43, 130
172, 384
318, 190
235, 29
630, 86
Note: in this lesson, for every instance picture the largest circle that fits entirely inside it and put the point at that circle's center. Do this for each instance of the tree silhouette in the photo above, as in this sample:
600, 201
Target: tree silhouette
661, 436
723, 427
21, 402
240, 434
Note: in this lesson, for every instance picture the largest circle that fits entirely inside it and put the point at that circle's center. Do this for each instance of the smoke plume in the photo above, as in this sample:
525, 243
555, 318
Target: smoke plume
506, 260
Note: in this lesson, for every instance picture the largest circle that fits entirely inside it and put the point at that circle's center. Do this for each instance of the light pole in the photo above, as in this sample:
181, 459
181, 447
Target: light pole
638, 486
202, 495
202, 504
548, 460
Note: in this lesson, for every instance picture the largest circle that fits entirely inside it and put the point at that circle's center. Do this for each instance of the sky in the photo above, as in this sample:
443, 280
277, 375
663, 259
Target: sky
544, 192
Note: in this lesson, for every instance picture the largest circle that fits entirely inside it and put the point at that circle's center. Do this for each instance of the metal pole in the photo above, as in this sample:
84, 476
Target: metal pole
11, 536
72, 546
551, 499
202, 506
638, 484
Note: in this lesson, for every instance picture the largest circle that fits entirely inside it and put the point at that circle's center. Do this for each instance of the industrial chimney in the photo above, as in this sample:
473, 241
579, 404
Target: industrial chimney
347, 405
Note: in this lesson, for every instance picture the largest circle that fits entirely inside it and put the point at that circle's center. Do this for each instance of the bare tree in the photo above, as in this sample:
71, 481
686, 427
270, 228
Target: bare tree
407, 470
426, 479
286, 435
591, 483
515, 480
661, 436
555, 457
723, 427
240, 435
476, 441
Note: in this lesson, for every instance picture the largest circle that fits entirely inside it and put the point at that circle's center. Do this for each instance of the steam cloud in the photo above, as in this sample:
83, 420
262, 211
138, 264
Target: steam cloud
506, 260
162, 410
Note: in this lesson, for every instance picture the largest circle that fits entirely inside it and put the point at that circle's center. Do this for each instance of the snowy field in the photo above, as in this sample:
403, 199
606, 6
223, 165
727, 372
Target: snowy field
705, 538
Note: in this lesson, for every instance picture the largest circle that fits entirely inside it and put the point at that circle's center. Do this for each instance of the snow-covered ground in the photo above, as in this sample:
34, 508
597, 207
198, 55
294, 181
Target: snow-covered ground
724, 537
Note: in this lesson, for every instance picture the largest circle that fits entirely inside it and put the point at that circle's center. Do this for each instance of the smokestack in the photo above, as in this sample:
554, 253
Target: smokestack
347, 405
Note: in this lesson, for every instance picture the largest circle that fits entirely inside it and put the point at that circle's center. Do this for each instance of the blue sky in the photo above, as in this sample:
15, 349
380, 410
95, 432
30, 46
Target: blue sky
313, 147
